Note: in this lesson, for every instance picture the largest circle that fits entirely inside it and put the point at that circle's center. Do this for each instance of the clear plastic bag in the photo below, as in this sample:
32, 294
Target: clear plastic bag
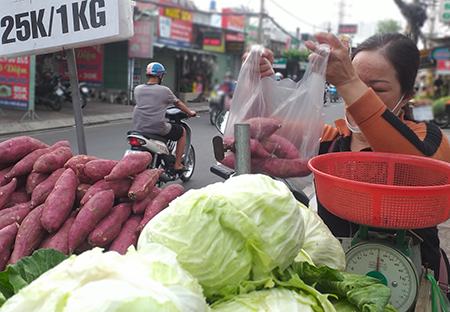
286, 118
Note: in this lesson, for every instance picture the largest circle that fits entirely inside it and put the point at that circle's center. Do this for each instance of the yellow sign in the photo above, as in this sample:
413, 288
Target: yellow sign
179, 14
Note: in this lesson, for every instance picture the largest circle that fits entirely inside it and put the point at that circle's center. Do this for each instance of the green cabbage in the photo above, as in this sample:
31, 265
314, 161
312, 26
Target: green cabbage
149, 280
320, 246
228, 233
276, 299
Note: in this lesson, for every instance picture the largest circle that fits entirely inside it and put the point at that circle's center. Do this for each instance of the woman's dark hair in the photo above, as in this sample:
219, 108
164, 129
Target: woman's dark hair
400, 51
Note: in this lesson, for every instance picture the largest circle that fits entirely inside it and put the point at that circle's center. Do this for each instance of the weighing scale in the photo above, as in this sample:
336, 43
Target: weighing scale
393, 258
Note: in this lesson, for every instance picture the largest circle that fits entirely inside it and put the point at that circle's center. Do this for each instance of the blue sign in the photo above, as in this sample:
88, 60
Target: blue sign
441, 53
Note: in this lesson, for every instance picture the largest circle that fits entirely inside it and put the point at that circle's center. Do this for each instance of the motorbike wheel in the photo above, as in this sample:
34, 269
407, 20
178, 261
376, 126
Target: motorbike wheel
55, 105
83, 102
189, 163
443, 120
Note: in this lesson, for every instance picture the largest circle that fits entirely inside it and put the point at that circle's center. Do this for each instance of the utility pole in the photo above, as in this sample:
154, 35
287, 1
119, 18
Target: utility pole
433, 14
341, 13
261, 22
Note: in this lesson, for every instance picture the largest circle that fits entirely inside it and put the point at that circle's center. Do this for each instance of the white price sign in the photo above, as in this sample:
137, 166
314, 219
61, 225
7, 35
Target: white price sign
34, 27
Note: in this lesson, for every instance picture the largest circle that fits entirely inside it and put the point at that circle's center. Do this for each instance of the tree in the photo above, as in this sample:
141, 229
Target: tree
415, 14
388, 26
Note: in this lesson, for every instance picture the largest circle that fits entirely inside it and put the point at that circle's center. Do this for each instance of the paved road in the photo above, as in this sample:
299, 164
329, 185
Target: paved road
108, 141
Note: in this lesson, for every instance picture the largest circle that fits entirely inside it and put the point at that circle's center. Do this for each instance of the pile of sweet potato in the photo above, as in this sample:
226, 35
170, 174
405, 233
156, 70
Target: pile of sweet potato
50, 198
271, 154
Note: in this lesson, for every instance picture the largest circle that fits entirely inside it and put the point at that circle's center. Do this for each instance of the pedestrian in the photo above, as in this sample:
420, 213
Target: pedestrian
152, 100
376, 82
438, 84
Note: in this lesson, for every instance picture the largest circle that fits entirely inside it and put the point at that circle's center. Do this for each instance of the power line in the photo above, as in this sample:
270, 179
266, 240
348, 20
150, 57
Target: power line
295, 17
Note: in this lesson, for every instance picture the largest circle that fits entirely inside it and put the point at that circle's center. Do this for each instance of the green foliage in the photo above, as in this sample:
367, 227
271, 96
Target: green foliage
296, 55
388, 26
440, 104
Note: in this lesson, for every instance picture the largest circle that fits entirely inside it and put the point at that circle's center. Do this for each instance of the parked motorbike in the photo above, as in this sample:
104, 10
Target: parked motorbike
332, 94
49, 92
84, 92
163, 150
225, 172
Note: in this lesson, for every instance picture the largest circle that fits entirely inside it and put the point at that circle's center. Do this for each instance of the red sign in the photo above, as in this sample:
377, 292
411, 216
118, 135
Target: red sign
236, 37
89, 65
443, 67
175, 26
140, 45
349, 29
15, 82
233, 22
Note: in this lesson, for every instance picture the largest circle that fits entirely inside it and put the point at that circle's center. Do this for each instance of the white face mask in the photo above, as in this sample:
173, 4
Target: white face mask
355, 129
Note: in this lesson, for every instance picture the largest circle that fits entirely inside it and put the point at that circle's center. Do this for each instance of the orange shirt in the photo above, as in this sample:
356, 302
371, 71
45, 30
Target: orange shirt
385, 132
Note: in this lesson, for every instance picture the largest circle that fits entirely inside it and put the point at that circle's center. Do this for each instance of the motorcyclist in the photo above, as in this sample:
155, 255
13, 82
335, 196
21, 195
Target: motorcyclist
152, 100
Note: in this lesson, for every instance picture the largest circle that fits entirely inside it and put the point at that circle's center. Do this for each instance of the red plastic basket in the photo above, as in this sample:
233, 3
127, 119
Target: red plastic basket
383, 190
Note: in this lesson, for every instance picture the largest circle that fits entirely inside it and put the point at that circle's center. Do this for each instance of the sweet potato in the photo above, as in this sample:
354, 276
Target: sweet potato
262, 127
89, 216
6, 192
7, 238
129, 165
52, 160
77, 160
143, 183
256, 148
81, 191
18, 197
108, 228
128, 235
60, 240
13, 150
60, 201
160, 202
3, 173
33, 180
284, 168
41, 191
99, 168
280, 147
139, 206
25, 165
29, 236
120, 188
229, 160
14, 214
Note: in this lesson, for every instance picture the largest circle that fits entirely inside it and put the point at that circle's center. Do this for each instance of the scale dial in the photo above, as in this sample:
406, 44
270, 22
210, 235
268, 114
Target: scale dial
390, 266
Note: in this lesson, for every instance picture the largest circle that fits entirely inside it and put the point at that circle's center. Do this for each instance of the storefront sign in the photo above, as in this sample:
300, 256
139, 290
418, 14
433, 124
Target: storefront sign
141, 44
441, 53
175, 27
280, 63
33, 27
349, 29
213, 41
15, 76
89, 65
233, 22
443, 67
236, 37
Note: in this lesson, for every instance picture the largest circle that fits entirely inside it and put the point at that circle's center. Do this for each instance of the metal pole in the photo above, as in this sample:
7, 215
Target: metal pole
260, 26
242, 143
76, 101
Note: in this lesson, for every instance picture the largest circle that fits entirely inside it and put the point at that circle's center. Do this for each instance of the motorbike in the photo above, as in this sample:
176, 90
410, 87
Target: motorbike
163, 150
226, 173
443, 119
50, 92
332, 94
219, 102
84, 92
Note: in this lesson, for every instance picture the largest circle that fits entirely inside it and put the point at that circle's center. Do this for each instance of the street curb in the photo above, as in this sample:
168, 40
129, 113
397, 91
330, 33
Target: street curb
61, 123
